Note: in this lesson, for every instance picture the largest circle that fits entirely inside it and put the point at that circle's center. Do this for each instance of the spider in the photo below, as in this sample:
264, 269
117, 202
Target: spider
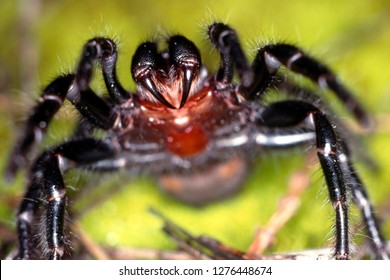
196, 131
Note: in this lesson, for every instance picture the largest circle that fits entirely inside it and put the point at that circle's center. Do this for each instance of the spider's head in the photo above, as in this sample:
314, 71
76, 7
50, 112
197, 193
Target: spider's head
169, 77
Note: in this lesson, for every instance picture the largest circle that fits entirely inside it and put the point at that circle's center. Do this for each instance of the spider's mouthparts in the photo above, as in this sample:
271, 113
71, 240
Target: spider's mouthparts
185, 59
167, 76
172, 96
190, 74
149, 85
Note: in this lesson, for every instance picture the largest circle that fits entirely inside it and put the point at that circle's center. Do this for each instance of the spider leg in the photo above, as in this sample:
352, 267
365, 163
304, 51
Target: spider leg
47, 182
269, 59
362, 201
103, 50
50, 102
339, 174
226, 41
74, 87
302, 93
27, 210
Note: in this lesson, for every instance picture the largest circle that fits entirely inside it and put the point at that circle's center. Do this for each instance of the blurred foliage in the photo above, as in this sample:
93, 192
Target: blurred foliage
42, 38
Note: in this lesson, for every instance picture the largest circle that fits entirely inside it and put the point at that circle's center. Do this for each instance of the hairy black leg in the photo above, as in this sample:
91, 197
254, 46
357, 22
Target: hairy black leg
103, 50
49, 103
286, 114
25, 219
55, 197
362, 201
307, 95
289, 113
95, 109
87, 102
91, 106
74, 87
226, 41
271, 57
47, 179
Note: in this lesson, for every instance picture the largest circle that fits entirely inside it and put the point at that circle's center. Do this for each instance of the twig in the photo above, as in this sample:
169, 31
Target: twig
288, 206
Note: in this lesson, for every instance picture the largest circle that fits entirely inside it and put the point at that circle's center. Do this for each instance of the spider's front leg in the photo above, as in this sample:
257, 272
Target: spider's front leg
74, 87
256, 79
47, 184
226, 41
339, 173
271, 57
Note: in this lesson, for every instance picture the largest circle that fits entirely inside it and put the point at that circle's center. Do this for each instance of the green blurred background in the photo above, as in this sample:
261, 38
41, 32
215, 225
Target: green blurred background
40, 39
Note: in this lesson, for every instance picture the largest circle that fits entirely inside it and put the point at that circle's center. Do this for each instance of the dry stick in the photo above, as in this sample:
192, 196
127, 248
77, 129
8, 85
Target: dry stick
125, 253
287, 207
204, 247
92, 248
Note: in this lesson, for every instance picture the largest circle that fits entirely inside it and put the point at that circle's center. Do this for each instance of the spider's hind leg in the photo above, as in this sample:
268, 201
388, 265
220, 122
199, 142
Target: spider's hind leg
340, 176
362, 201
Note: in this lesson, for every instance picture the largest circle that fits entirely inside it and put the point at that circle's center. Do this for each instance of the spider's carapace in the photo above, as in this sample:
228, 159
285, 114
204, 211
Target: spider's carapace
186, 131
189, 132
